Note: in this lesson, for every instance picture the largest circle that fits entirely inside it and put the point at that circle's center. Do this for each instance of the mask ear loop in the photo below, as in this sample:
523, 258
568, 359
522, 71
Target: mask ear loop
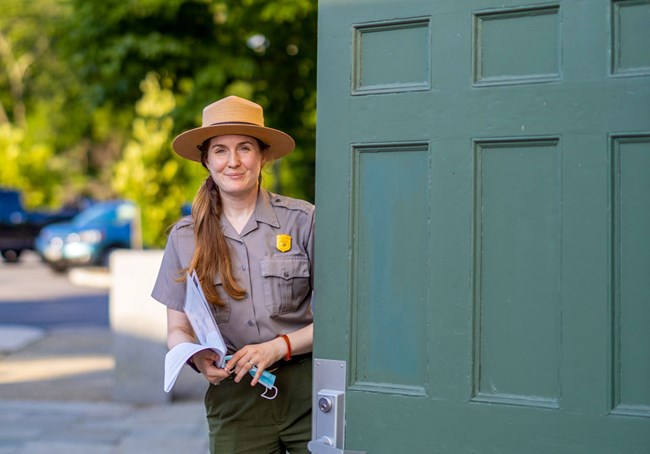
274, 388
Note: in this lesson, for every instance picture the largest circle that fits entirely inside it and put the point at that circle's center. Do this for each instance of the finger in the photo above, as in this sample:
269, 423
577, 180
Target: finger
217, 376
246, 365
205, 366
232, 363
239, 370
258, 374
255, 377
240, 374
220, 374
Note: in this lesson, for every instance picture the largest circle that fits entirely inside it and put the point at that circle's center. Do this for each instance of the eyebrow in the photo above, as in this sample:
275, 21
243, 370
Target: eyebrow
217, 144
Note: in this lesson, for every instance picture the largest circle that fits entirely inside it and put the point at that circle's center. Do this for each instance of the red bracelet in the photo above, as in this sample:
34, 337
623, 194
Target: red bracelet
287, 357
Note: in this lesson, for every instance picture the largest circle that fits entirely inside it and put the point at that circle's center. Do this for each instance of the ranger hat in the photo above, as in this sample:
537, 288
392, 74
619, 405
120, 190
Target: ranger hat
233, 115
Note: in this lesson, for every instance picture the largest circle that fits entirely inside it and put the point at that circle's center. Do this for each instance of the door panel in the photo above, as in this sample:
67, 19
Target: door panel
396, 175
483, 209
518, 270
631, 255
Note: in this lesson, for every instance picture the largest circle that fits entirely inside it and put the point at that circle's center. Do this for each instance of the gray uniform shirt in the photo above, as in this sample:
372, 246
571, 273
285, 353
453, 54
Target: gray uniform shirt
278, 281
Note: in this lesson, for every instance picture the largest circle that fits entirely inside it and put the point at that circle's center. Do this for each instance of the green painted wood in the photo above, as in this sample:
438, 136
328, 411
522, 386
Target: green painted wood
518, 272
631, 252
391, 209
483, 208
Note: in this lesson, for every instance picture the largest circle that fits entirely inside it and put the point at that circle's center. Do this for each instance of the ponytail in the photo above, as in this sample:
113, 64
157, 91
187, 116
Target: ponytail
211, 252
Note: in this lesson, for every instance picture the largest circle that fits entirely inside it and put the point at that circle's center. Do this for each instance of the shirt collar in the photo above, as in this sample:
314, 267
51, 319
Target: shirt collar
264, 212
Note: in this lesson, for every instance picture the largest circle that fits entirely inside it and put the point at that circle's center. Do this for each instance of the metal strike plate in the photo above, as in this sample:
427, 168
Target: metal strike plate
328, 428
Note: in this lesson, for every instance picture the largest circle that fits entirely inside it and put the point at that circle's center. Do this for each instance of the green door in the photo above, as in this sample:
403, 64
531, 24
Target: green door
483, 219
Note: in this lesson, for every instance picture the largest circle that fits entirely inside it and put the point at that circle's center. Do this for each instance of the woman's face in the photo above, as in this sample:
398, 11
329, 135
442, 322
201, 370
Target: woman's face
235, 163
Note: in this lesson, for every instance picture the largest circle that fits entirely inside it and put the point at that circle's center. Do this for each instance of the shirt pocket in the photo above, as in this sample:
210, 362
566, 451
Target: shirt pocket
221, 313
286, 283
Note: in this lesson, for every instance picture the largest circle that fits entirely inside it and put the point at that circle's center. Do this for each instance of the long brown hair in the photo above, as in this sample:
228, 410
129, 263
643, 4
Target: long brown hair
211, 251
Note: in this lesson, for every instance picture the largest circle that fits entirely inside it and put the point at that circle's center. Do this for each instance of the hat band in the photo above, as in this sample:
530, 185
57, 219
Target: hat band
234, 123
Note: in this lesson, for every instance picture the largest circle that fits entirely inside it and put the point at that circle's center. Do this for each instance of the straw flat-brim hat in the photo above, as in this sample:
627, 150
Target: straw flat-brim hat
233, 115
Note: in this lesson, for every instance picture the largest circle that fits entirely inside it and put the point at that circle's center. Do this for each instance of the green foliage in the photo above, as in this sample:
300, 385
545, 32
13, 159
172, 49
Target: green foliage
10, 140
31, 95
52, 154
145, 173
92, 93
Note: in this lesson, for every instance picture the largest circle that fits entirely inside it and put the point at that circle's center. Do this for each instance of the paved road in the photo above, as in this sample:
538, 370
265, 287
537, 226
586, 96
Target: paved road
56, 392
31, 294
72, 359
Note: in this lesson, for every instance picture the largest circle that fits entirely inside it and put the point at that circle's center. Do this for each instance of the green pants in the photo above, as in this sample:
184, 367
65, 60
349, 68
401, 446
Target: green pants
243, 422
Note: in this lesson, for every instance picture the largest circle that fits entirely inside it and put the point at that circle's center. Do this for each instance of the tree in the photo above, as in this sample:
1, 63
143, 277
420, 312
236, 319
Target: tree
81, 114
33, 90
200, 51
145, 174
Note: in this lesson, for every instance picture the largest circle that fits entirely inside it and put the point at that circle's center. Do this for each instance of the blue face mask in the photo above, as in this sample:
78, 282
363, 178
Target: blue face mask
267, 380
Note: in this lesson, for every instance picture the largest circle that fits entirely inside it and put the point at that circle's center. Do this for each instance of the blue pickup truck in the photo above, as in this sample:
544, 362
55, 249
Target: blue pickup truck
19, 226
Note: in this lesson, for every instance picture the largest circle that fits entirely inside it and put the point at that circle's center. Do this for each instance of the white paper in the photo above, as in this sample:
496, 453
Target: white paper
206, 330
175, 359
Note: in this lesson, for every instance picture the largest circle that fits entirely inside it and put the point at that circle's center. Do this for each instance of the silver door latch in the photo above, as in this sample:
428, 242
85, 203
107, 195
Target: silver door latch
317, 447
328, 428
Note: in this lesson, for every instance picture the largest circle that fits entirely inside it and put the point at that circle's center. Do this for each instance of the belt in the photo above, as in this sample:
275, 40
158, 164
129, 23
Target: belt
294, 360
282, 363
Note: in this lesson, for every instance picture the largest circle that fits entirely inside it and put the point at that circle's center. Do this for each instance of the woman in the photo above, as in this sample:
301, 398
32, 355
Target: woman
252, 251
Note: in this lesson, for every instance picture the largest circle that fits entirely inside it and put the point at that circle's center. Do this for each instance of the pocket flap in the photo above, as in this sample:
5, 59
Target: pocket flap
285, 268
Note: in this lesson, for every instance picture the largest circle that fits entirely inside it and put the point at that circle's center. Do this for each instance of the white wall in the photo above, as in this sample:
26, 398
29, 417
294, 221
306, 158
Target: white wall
139, 329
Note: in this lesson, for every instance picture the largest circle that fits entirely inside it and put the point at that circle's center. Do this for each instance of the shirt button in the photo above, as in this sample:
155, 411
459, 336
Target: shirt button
243, 267
246, 295
250, 323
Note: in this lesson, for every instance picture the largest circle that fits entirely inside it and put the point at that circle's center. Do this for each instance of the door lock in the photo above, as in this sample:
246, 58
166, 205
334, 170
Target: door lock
325, 404
328, 428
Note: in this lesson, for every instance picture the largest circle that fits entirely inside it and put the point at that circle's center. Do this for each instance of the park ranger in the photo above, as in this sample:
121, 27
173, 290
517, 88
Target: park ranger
253, 252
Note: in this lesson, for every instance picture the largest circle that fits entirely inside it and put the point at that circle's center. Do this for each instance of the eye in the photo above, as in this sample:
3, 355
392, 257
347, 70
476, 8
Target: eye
218, 150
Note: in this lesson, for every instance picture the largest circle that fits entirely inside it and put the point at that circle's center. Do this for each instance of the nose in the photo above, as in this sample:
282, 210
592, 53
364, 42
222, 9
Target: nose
233, 159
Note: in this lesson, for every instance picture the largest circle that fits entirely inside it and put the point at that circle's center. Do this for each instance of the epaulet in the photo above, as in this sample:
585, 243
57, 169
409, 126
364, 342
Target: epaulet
184, 222
291, 203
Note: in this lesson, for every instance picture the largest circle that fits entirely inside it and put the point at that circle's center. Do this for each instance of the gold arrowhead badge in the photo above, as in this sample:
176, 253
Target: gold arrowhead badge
283, 242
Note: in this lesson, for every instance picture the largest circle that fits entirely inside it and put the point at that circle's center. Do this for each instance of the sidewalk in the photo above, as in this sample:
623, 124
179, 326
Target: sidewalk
56, 388
42, 427
55, 398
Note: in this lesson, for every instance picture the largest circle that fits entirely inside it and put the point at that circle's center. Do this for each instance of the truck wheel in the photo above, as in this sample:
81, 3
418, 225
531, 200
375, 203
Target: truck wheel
11, 255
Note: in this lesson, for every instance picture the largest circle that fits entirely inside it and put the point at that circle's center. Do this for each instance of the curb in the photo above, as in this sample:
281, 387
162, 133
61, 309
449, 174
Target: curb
16, 337
90, 277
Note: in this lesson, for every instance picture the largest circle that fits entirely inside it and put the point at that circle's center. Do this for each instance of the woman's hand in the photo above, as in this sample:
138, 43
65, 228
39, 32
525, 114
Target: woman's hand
179, 330
259, 355
267, 353
205, 361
